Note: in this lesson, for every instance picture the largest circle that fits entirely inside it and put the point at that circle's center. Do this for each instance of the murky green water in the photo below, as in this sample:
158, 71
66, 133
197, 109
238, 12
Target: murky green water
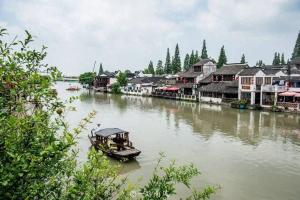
253, 155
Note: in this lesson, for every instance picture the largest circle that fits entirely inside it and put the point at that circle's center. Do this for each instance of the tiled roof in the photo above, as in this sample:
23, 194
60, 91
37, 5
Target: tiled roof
220, 87
189, 73
141, 80
207, 79
270, 71
231, 69
250, 71
202, 62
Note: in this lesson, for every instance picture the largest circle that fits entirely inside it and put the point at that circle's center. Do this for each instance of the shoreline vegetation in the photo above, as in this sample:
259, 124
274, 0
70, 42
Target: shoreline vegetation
38, 155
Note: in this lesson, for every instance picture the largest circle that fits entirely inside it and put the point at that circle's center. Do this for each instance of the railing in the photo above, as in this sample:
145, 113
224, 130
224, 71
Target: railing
289, 105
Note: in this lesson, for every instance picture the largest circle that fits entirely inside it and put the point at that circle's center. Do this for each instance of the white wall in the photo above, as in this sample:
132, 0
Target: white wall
210, 99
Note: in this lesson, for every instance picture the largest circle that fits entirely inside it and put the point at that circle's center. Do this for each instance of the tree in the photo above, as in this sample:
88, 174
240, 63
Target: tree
282, 60
116, 88
38, 155
186, 64
222, 58
122, 79
127, 71
243, 59
176, 65
151, 68
168, 67
192, 59
276, 59
204, 50
159, 68
197, 59
100, 70
296, 52
260, 63
87, 78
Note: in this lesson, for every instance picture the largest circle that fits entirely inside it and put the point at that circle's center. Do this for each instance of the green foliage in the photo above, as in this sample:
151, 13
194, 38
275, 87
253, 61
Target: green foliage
197, 59
176, 63
296, 52
192, 59
116, 88
151, 68
222, 58
243, 59
282, 60
159, 68
87, 78
186, 63
162, 184
168, 66
260, 63
122, 79
204, 51
276, 59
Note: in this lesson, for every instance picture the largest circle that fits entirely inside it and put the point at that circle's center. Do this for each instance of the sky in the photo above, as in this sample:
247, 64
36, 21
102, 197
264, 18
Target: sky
127, 34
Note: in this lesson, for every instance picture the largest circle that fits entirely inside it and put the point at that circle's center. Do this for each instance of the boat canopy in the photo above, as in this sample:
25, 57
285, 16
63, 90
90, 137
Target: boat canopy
109, 131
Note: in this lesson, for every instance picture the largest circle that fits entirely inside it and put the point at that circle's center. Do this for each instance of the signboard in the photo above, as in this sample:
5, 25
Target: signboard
246, 87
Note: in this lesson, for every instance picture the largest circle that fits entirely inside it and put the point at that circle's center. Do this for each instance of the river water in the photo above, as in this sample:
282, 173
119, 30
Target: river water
252, 155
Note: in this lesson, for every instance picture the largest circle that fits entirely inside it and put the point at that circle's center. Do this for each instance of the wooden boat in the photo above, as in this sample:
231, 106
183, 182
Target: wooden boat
114, 142
73, 88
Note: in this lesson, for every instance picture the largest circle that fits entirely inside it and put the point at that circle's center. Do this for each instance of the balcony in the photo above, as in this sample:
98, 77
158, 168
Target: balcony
273, 88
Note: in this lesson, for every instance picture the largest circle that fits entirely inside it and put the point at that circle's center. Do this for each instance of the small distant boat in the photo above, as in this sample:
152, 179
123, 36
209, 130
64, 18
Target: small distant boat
73, 88
114, 142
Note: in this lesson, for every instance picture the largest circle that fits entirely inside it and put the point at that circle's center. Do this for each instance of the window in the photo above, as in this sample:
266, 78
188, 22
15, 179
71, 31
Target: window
197, 69
246, 80
268, 80
259, 80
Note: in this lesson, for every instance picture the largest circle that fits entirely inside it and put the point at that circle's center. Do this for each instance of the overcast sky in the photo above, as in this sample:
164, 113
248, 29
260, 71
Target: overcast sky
126, 34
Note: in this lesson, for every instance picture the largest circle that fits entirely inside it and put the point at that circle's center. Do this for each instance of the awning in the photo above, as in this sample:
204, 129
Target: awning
288, 94
297, 95
172, 89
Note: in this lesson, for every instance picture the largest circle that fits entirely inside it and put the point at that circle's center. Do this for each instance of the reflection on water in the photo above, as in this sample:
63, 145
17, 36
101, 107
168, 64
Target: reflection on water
251, 154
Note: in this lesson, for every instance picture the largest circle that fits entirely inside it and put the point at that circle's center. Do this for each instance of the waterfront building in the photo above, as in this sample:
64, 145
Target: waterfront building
187, 81
222, 85
142, 86
103, 81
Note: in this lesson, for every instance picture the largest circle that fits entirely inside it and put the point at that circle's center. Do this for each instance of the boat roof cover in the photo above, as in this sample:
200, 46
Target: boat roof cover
109, 131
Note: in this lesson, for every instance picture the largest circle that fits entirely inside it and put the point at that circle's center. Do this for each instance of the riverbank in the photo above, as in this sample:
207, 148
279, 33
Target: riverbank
193, 98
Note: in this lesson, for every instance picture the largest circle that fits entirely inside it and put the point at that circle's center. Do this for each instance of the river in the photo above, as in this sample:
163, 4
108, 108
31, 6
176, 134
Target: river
252, 155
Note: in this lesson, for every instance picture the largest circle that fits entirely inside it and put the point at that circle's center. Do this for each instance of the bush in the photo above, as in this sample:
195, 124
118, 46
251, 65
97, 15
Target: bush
116, 88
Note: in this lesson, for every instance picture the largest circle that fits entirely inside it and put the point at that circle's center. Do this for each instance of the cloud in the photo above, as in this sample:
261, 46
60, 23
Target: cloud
128, 33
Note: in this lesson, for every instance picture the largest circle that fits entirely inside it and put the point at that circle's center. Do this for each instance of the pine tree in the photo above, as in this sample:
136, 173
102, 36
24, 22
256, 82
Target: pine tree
276, 59
168, 67
192, 59
296, 52
159, 68
222, 58
197, 59
282, 61
260, 63
151, 68
243, 59
186, 64
204, 50
100, 70
176, 65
